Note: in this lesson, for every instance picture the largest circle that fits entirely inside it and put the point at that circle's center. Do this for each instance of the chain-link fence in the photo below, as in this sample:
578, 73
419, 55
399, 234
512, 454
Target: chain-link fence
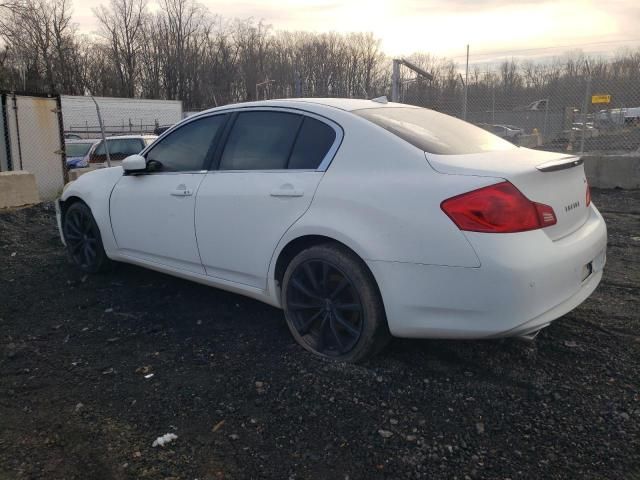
52, 137
574, 107
102, 131
550, 107
31, 139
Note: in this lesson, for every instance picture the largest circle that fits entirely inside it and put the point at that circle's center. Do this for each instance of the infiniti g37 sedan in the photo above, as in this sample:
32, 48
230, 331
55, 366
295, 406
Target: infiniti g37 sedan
361, 219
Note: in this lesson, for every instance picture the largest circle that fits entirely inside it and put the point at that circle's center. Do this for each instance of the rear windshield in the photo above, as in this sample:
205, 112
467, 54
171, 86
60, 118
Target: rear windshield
77, 149
434, 132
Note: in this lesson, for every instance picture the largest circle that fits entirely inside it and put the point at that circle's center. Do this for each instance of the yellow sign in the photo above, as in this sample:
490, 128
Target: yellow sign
601, 99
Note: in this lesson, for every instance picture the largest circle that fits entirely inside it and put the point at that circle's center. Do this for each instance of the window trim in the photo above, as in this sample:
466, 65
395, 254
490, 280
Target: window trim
212, 162
213, 146
322, 166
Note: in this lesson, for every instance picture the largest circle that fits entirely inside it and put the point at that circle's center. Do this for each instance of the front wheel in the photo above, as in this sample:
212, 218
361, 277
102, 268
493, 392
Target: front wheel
332, 304
84, 243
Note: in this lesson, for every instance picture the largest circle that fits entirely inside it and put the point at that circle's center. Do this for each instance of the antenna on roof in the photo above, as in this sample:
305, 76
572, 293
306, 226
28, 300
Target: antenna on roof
382, 99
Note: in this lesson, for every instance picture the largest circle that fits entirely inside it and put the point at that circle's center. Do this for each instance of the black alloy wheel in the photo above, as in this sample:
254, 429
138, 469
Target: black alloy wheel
332, 304
326, 308
83, 240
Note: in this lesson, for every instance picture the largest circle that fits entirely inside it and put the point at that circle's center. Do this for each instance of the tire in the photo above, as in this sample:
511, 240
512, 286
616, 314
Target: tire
332, 304
83, 239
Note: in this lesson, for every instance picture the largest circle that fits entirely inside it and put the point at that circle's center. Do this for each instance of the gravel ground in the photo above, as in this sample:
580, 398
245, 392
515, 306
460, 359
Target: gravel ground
77, 399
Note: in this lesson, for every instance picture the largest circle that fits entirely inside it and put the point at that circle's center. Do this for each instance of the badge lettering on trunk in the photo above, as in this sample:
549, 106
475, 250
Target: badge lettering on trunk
571, 206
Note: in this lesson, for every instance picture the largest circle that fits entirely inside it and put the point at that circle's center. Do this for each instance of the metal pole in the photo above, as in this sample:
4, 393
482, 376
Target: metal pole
297, 84
493, 102
15, 114
546, 119
63, 149
585, 106
464, 106
466, 86
395, 81
104, 137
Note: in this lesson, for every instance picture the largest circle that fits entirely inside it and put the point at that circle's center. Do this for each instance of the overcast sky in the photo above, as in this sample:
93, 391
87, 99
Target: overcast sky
444, 27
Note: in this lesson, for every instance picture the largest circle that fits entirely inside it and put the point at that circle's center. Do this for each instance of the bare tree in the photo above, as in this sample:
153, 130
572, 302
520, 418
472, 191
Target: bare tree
121, 27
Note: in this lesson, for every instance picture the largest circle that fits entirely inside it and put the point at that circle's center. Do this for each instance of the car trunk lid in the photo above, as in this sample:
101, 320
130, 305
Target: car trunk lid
555, 179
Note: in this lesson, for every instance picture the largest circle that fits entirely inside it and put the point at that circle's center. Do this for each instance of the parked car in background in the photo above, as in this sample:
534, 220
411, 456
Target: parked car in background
120, 147
537, 106
503, 131
361, 219
78, 152
507, 131
72, 136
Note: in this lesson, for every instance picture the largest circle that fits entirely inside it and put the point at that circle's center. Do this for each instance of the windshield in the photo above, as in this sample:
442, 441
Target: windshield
434, 132
77, 149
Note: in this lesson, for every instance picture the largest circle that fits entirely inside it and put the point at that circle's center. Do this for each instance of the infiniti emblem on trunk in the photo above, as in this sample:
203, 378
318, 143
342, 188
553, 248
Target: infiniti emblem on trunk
571, 206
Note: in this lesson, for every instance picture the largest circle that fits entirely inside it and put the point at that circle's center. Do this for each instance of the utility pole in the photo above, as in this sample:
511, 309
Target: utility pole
585, 107
395, 81
466, 86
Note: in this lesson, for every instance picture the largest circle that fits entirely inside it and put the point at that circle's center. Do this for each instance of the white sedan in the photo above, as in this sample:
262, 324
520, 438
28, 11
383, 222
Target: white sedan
361, 219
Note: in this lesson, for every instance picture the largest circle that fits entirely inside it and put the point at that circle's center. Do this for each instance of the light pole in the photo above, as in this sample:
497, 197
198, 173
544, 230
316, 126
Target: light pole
266, 82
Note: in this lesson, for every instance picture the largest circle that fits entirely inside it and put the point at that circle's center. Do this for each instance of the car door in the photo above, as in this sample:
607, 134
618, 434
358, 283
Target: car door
152, 213
265, 179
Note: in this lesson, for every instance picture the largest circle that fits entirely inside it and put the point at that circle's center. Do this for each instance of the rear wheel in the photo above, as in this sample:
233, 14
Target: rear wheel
332, 304
84, 243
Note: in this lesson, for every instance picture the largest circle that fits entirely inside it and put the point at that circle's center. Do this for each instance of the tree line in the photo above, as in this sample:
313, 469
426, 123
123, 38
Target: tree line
184, 51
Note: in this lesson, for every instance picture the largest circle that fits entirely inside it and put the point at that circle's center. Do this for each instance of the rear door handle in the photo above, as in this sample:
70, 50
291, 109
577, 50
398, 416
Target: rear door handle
287, 190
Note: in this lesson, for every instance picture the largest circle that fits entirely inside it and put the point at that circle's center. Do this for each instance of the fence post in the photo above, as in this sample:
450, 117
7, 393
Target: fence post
585, 106
104, 137
395, 81
297, 84
63, 150
466, 86
546, 119
15, 115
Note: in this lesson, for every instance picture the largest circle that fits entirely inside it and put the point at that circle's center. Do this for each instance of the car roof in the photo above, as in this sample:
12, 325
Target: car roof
125, 137
82, 140
346, 104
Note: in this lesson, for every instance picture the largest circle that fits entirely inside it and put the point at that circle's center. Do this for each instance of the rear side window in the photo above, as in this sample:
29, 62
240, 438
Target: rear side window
434, 132
313, 142
261, 140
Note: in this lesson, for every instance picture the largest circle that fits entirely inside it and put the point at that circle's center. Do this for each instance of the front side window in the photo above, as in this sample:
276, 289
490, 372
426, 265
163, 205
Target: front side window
261, 140
186, 148
434, 132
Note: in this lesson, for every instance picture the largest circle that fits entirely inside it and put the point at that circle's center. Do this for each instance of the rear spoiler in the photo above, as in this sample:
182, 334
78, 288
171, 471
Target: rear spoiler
560, 164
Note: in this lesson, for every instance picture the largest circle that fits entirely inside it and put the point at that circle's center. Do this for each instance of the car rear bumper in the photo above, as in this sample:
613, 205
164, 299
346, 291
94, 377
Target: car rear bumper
525, 281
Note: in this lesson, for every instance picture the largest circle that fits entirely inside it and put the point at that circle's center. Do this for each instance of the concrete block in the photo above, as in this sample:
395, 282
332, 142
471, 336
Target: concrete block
18, 188
619, 171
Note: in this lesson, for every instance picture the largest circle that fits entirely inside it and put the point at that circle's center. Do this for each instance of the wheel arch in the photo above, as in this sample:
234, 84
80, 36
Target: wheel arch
67, 202
296, 245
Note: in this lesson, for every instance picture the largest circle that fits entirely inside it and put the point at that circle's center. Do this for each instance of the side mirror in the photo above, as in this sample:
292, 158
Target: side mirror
134, 164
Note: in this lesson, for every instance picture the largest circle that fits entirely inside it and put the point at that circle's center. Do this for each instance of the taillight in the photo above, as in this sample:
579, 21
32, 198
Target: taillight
588, 195
499, 208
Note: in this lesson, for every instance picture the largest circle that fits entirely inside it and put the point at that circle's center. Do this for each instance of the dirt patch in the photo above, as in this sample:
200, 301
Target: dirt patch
94, 368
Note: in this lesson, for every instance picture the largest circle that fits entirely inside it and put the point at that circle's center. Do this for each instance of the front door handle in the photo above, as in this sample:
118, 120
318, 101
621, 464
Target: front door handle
182, 191
287, 190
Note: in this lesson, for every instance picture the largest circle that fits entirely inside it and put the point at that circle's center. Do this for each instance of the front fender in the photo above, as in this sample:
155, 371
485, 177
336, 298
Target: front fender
94, 189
